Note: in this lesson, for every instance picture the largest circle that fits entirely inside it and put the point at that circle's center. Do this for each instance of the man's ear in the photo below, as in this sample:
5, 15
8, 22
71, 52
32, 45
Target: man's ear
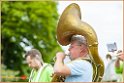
83, 50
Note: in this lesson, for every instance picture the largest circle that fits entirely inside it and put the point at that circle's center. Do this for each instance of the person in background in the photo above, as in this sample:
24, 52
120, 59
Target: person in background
41, 72
110, 74
119, 65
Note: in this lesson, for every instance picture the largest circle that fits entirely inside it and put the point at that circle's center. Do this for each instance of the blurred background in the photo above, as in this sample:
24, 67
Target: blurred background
32, 24
26, 25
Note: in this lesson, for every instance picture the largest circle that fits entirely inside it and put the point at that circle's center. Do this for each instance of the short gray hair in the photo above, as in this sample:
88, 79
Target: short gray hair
79, 39
34, 53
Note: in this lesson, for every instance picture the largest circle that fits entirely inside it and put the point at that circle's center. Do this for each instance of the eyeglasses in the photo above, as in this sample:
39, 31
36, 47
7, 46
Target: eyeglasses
72, 46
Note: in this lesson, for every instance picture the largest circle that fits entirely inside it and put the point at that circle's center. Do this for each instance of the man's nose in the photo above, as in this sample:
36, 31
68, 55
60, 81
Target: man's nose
69, 49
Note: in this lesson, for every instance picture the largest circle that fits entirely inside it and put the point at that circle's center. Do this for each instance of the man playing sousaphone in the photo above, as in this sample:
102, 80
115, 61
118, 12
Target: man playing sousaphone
86, 64
77, 70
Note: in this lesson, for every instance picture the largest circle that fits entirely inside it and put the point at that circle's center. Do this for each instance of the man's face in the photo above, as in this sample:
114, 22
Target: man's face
32, 62
74, 50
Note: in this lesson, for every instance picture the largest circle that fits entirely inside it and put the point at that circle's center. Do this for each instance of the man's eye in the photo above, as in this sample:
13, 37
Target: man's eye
71, 47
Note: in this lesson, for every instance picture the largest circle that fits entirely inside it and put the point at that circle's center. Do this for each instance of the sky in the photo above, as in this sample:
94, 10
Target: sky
106, 18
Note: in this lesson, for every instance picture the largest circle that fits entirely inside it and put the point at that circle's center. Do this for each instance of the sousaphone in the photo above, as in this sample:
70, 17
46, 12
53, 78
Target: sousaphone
70, 24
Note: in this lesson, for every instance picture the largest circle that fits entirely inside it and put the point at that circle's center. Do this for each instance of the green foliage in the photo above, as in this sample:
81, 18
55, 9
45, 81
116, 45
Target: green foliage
27, 24
8, 75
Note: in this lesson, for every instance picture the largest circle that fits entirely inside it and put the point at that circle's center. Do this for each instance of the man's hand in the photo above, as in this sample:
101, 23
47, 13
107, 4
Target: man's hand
121, 56
59, 67
60, 55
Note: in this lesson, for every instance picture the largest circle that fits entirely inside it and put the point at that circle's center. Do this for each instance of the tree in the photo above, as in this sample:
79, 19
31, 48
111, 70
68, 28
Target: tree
27, 24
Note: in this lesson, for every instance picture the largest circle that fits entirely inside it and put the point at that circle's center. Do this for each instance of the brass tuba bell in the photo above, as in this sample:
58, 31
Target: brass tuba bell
70, 24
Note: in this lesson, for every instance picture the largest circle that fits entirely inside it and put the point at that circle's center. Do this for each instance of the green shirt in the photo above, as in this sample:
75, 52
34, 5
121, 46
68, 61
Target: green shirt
119, 70
42, 75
